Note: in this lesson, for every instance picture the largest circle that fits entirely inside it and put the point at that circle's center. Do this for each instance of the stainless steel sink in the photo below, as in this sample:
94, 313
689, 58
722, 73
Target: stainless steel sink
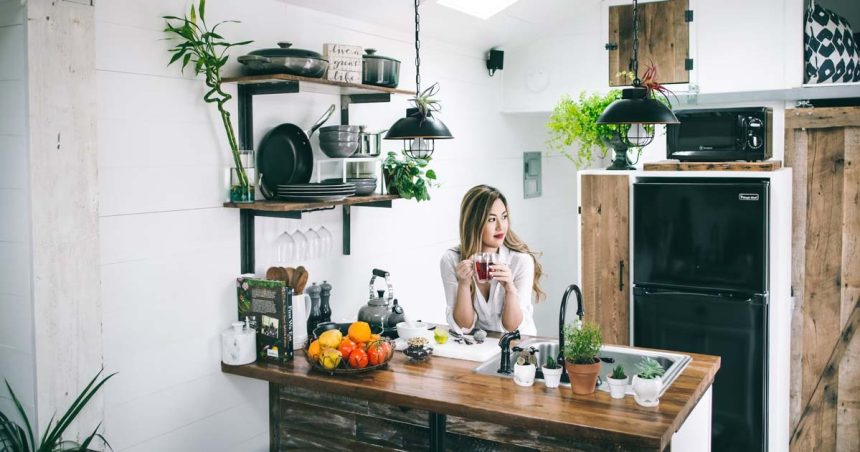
673, 363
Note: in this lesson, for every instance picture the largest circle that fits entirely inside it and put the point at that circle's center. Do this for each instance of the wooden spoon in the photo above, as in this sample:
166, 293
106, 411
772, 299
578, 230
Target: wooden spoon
276, 274
289, 277
301, 280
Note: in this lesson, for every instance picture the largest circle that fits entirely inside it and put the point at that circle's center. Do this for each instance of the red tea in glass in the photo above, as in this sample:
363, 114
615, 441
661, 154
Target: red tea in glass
483, 264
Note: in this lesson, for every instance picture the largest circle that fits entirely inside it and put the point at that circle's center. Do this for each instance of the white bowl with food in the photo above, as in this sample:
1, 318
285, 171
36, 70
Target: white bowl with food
406, 331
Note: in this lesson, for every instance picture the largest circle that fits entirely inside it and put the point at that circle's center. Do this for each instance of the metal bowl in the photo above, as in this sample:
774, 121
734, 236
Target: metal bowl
341, 128
338, 149
334, 135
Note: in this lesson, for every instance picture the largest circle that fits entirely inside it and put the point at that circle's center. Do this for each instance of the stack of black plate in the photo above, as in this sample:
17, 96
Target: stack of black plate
363, 186
316, 192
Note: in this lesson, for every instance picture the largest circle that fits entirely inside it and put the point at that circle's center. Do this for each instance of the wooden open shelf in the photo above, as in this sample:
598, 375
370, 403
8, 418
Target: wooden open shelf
315, 84
284, 206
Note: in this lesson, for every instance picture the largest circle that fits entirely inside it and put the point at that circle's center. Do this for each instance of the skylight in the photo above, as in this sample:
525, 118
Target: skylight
482, 9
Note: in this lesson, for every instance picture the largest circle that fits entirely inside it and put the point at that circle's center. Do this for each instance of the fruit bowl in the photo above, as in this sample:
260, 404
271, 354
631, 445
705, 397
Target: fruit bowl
358, 351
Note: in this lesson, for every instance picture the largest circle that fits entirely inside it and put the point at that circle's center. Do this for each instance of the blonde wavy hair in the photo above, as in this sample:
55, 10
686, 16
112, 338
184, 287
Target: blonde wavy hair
474, 213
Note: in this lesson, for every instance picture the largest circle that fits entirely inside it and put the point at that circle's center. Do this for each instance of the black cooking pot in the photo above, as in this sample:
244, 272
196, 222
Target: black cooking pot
379, 70
285, 60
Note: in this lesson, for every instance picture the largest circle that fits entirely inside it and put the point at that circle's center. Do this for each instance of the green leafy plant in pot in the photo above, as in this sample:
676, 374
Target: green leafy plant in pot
206, 51
574, 123
407, 176
19, 438
581, 347
648, 382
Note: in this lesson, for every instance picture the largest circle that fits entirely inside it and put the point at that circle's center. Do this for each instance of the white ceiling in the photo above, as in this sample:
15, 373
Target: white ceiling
520, 23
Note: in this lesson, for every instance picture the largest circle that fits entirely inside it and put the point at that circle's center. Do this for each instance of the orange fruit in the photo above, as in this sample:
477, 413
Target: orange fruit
374, 337
359, 331
314, 349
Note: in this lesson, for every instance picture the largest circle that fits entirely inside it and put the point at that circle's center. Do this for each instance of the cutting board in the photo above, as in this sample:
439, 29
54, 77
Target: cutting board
474, 352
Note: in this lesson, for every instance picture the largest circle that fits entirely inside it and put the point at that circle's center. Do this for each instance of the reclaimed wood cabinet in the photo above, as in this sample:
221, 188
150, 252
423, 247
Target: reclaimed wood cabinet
823, 149
605, 248
664, 40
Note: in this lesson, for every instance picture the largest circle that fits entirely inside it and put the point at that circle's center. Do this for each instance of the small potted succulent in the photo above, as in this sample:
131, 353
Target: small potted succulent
525, 367
551, 372
647, 383
617, 382
581, 346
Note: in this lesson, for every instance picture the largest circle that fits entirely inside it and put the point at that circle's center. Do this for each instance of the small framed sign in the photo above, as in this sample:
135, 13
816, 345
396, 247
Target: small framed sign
344, 62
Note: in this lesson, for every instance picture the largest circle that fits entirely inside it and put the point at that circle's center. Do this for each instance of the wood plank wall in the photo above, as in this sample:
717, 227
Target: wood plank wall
823, 148
606, 255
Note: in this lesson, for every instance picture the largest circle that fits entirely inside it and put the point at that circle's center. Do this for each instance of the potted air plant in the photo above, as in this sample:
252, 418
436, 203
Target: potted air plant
206, 52
551, 372
617, 382
581, 346
525, 367
647, 383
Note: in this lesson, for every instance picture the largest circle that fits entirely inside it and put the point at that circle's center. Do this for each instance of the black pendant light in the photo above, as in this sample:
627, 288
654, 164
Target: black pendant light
419, 129
636, 109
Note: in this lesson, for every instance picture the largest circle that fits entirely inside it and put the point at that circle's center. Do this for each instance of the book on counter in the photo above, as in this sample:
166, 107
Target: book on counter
268, 306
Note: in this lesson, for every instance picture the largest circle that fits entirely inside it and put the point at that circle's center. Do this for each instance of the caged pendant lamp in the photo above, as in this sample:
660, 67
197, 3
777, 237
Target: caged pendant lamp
419, 129
636, 111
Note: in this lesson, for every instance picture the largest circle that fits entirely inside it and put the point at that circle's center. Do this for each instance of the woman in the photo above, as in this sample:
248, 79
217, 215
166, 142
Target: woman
504, 303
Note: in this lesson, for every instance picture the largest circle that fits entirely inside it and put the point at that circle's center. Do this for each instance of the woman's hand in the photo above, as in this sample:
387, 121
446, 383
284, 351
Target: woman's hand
502, 274
465, 271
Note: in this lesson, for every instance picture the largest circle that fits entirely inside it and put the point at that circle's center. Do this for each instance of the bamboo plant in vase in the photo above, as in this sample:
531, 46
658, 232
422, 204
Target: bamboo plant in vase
206, 51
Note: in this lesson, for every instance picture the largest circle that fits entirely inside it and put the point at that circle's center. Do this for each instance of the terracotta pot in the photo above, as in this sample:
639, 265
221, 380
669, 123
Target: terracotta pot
583, 377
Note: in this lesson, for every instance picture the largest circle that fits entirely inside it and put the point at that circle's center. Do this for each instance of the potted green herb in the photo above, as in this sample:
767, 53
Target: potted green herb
574, 123
581, 346
525, 367
206, 51
617, 382
21, 439
551, 372
647, 383
407, 176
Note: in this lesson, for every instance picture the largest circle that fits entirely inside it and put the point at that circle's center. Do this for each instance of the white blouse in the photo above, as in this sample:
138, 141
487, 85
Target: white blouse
489, 312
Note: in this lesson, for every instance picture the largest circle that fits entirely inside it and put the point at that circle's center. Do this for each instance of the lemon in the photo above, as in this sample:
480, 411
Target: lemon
330, 339
441, 335
330, 358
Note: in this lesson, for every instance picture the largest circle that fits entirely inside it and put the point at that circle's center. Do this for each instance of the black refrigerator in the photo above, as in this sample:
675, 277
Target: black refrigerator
700, 274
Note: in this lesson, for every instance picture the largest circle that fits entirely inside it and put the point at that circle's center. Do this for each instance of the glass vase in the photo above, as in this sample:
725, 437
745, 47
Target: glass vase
241, 189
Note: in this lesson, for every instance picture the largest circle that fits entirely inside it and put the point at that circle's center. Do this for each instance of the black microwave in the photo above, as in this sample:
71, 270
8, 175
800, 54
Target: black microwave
721, 135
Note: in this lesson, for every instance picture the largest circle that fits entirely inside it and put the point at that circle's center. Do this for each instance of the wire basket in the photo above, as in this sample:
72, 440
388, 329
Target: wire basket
343, 367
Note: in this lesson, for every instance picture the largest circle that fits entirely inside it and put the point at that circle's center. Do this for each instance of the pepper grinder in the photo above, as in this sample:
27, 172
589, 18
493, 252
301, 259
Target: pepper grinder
315, 317
325, 307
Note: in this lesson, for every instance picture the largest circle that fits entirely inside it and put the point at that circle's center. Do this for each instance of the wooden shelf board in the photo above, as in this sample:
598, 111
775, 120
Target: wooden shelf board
283, 206
674, 165
343, 87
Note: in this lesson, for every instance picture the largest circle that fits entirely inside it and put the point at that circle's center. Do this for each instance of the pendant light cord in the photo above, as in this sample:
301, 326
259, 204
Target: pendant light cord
417, 51
635, 62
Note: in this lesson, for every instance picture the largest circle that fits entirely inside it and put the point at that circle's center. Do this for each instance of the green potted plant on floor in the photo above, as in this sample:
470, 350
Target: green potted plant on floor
408, 177
581, 346
19, 438
648, 382
206, 51
617, 382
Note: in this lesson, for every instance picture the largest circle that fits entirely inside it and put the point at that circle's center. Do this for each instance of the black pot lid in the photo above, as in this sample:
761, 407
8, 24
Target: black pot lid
284, 50
371, 53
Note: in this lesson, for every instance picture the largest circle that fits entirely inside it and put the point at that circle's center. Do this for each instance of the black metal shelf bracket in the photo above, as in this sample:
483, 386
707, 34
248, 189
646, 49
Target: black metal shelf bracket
245, 98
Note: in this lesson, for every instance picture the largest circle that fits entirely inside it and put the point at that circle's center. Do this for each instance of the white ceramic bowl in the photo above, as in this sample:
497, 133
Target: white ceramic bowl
406, 332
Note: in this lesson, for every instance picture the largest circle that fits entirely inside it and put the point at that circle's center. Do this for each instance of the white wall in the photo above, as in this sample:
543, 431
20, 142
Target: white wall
17, 355
737, 46
170, 252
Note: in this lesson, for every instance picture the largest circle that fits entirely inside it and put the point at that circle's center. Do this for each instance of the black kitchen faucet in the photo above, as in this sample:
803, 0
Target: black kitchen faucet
580, 311
505, 344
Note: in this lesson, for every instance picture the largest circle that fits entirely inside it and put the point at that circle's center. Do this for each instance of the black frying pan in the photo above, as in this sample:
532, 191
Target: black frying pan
285, 156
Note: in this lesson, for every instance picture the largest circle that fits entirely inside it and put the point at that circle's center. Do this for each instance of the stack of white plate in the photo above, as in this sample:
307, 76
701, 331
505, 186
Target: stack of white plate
316, 192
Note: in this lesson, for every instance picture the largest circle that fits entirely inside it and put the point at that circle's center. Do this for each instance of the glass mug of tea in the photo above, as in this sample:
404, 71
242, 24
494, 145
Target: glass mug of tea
483, 265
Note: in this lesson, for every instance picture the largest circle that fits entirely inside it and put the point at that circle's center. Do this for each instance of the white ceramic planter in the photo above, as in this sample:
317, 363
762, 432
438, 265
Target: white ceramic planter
552, 377
617, 387
645, 391
524, 375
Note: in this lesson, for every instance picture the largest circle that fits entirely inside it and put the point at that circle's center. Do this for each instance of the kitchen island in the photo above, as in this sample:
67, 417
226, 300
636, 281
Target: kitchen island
441, 404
